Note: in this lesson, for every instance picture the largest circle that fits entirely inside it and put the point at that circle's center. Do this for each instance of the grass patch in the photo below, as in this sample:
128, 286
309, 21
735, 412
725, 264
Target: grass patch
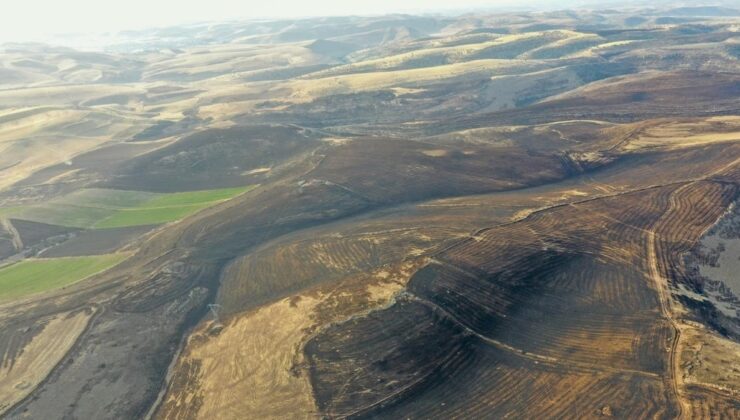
39, 275
168, 207
108, 199
10, 211
102, 209
55, 213
149, 216
195, 197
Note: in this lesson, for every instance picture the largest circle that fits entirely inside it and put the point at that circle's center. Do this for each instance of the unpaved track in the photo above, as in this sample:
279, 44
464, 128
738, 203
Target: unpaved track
537, 358
17, 241
96, 311
661, 286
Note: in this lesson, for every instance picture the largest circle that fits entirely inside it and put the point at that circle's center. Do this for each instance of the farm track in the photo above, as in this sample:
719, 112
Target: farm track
537, 358
572, 203
669, 200
467, 273
576, 202
17, 240
661, 285
98, 310
525, 190
476, 233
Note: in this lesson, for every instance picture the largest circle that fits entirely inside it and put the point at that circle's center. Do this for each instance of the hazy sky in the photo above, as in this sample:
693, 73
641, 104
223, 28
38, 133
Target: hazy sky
32, 19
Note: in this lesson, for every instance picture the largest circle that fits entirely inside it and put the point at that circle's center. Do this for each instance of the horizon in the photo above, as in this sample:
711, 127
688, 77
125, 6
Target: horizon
72, 19
370, 210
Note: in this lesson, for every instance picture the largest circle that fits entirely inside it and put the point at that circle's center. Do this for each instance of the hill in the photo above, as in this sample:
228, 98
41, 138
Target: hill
491, 215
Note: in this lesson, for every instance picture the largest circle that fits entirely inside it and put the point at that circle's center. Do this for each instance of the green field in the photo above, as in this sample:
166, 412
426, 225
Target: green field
196, 197
9, 211
38, 275
106, 199
100, 209
168, 207
148, 216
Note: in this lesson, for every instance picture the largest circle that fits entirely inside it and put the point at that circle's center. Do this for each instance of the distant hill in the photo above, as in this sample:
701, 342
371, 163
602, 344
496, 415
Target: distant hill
714, 11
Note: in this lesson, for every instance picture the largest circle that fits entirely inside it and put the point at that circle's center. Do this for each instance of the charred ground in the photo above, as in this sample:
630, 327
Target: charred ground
476, 217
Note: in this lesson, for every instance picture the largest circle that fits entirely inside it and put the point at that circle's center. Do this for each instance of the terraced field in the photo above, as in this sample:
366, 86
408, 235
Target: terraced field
512, 215
282, 268
495, 288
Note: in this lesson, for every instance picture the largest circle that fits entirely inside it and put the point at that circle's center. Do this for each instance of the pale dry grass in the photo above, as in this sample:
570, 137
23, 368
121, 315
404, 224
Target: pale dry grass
435, 152
64, 95
601, 48
571, 37
36, 140
39, 357
257, 171
31, 121
230, 60
503, 92
453, 54
671, 135
337, 141
247, 367
709, 359
307, 89
252, 368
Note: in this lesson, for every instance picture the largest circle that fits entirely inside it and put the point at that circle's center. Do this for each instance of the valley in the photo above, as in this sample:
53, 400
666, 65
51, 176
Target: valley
504, 215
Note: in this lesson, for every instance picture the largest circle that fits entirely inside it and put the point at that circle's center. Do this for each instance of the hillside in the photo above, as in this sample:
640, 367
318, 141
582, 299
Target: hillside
504, 215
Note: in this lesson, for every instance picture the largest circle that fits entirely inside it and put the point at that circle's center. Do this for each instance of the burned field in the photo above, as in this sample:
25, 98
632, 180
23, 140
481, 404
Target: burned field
567, 296
522, 216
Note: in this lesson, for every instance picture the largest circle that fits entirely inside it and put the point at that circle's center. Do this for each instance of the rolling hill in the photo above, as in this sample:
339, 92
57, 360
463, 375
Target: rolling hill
499, 215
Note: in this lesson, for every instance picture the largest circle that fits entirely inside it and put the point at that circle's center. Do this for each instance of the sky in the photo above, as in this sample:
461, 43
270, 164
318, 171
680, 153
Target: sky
33, 20
28, 20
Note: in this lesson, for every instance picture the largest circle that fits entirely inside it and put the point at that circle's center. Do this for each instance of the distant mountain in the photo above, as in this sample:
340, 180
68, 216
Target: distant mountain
714, 11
